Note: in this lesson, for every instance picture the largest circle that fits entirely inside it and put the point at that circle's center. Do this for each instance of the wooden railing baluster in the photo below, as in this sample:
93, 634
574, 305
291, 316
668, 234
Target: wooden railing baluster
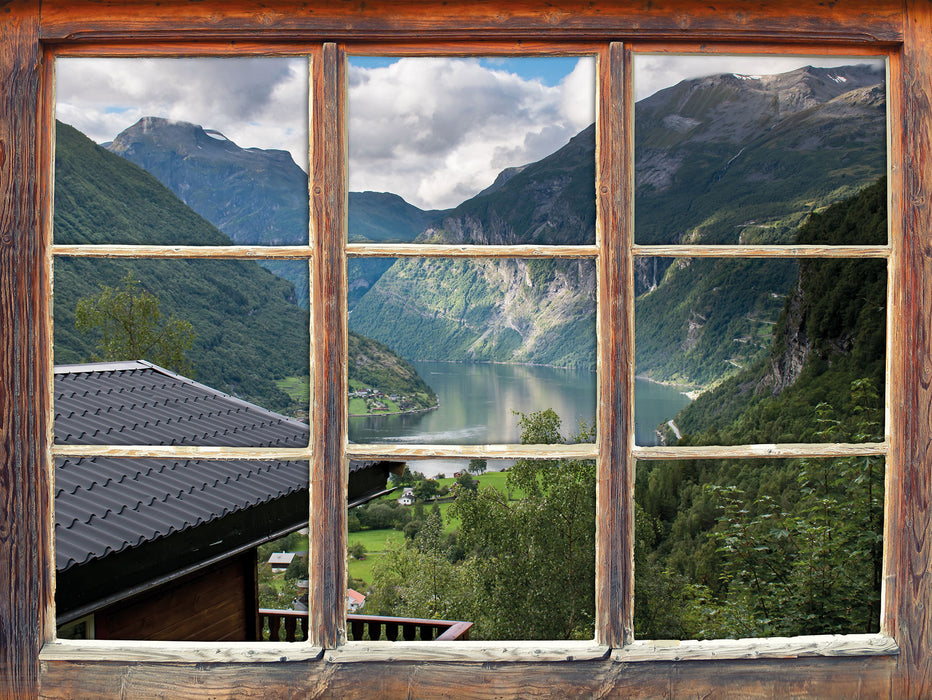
296, 627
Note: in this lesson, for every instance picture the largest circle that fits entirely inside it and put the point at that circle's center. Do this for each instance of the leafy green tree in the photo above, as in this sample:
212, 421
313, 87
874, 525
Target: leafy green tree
477, 466
534, 559
418, 579
466, 482
357, 550
297, 569
130, 326
426, 489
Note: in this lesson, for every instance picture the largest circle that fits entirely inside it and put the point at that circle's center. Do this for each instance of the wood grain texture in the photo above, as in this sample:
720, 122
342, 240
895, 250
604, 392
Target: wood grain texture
908, 585
583, 451
398, 250
770, 648
775, 451
761, 251
25, 586
209, 606
467, 651
212, 27
328, 486
850, 678
158, 653
244, 252
852, 22
615, 350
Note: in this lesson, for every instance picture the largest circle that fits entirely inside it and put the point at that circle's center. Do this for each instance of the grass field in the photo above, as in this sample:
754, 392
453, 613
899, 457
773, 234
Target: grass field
374, 540
298, 388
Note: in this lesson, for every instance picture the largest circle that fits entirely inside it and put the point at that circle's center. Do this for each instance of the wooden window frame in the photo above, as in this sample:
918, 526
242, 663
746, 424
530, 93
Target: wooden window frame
896, 663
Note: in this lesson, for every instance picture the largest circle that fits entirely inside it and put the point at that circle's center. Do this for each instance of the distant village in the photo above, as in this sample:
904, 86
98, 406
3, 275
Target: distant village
378, 402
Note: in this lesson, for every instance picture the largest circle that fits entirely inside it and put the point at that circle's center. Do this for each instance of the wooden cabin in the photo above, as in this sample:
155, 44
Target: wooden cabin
166, 548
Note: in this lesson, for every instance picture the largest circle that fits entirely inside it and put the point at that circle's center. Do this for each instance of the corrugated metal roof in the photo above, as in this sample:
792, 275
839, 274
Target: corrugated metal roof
105, 505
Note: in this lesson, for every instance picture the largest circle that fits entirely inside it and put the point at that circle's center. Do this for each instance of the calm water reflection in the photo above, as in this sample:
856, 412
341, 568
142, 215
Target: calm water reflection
478, 404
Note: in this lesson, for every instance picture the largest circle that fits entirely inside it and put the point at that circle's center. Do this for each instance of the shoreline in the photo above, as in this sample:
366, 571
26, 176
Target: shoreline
690, 390
394, 413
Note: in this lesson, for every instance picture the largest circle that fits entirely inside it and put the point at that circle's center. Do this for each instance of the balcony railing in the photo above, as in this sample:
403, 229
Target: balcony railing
291, 626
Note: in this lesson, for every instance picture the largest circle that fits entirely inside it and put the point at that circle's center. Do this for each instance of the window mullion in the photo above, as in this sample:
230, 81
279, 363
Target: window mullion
615, 489
327, 541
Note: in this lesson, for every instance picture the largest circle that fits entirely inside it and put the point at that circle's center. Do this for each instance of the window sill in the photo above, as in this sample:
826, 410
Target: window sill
468, 651
178, 652
758, 648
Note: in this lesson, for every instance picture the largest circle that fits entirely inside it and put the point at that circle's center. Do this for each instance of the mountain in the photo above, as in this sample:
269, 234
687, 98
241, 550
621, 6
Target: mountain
258, 196
723, 159
744, 159
236, 306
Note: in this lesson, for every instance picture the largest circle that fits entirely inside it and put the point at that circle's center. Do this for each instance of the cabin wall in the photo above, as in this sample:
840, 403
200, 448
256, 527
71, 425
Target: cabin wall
213, 605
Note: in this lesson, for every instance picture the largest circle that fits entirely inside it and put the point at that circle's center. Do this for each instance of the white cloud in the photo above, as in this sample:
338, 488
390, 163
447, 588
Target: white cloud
255, 102
438, 130
434, 130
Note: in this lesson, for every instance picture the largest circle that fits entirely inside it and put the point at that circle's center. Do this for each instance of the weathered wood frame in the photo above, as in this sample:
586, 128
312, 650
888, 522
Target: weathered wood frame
897, 663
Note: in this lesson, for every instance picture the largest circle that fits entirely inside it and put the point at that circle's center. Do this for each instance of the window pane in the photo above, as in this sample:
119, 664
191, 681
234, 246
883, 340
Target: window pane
753, 548
740, 150
209, 321
283, 588
165, 549
486, 338
509, 548
226, 136
776, 350
472, 150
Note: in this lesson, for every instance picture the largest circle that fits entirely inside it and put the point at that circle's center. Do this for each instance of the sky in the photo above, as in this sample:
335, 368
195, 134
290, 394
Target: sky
434, 130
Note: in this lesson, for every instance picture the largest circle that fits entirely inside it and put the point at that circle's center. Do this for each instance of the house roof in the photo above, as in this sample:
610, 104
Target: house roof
281, 558
107, 505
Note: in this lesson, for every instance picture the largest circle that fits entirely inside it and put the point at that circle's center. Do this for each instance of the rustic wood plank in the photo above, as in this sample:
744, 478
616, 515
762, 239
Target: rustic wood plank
527, 47
758, 48
235, 252
786, 450
615, 350
413, 452
908, 586
852, 22
25, 591
761, 251
159, 653
185, 452
771, 648
398, 250
356, 250
367, 451
326, 558
835, 677
467, 651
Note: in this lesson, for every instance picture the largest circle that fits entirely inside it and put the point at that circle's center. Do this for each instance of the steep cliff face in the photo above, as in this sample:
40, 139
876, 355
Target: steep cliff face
498, 311
551, 202
792, 347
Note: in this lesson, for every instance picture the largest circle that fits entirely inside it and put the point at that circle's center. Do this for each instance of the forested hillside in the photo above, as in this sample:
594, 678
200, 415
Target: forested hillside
754, 547
249, 328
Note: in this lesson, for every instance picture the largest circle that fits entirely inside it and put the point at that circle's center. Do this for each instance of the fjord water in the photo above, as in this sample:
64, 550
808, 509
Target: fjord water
478, 401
